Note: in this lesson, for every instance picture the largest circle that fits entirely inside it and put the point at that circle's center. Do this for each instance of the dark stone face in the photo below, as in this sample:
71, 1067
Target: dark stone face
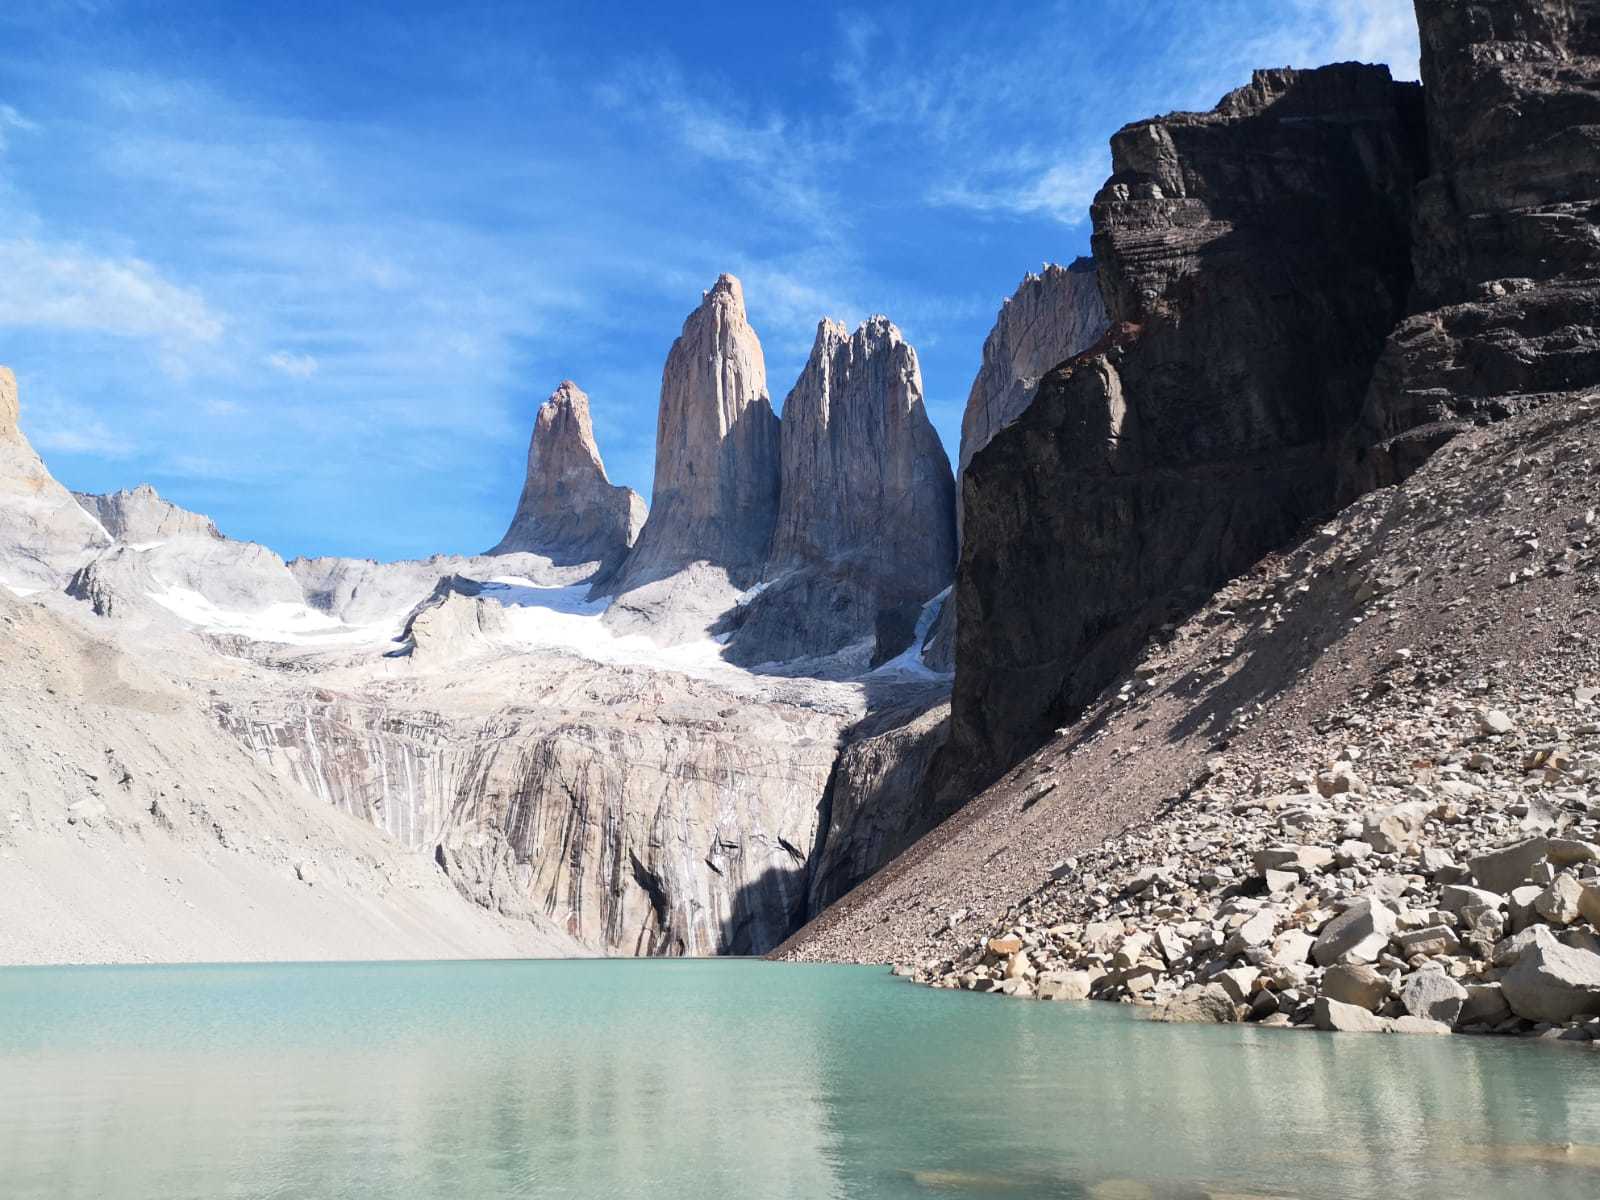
1253, 259
1311, 289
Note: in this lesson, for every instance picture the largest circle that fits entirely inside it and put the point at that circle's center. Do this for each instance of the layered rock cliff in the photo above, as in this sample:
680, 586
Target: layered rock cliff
44, 534
715, 497
1507, 237
1253, 260
569, 511
865, 531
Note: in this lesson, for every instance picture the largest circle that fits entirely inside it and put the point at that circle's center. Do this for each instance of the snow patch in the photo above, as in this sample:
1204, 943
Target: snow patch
295, 624
563, 618
22, 592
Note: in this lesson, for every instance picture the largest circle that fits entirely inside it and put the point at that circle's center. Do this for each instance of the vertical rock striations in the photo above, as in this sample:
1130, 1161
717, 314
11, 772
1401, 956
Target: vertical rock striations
569, 511
1054, 315
865, 530
715, 498
1253, 260
44, 535
1507, 234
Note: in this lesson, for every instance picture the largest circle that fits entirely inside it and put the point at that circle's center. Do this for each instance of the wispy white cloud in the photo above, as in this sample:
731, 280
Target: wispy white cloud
12, 121
296, 366
65, 286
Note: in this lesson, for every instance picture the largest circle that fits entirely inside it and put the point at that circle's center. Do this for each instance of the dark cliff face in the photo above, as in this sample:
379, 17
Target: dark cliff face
1253, 260
1507, 231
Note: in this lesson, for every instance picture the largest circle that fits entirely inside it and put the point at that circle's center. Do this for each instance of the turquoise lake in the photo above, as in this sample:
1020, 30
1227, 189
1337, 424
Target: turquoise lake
713, 1079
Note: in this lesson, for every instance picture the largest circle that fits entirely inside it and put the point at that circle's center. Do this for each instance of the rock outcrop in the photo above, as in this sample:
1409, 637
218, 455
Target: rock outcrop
1507, 231
865, 532
44, 535
715, 498
569, 511
1253, 260
1053, 316
142, 516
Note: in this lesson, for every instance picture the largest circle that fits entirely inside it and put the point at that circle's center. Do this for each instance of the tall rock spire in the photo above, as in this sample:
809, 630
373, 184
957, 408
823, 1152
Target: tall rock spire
44, 535
866, 522
716, 481
569, 511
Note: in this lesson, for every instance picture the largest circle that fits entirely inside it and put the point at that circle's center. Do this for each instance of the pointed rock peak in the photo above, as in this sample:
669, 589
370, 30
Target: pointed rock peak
866, 519
9, 411
716, 479
563, 436
726, 290
569, 511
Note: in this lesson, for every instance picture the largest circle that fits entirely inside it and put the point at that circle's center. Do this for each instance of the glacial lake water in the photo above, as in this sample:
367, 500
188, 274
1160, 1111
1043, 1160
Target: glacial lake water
713, 1079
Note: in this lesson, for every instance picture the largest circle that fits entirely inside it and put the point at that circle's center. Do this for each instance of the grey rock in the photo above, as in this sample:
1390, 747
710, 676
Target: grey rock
1434, 995
1505, 869
1333, 1017
569, 511
141, 515
1357, 984
1552, 982
865, 528
1358, 935
1199, 1004
1455, 897
715, 499
1485, 1005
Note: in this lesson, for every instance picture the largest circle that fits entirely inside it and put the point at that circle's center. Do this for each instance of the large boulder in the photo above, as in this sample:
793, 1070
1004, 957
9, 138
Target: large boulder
569, 511
1357, 935
1552, 982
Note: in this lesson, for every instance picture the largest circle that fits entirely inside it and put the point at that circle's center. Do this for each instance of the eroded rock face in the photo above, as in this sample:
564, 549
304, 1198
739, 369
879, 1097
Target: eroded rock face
866, 518
656, 814
1507, 236
44, 535
1053, 316
141, 515
569, 511
1203, 430
715, 499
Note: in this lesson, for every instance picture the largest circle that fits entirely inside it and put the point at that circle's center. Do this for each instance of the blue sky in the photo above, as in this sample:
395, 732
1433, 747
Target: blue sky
310, 268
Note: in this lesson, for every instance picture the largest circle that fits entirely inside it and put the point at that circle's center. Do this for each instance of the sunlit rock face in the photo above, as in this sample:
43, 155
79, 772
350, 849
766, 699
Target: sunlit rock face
141, 515
569, 511
715, 499
866, 517
44, 534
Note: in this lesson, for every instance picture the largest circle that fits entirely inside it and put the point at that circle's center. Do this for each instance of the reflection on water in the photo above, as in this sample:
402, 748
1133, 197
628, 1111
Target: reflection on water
736, 1079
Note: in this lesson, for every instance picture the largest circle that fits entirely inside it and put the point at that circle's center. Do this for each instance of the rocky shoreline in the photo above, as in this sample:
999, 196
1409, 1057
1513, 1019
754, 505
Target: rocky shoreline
1440, 873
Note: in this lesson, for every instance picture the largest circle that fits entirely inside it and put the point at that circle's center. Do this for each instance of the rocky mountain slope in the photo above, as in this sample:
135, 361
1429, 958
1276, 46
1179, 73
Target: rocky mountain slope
614, 779
1356, 787
134, 827
44, 534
